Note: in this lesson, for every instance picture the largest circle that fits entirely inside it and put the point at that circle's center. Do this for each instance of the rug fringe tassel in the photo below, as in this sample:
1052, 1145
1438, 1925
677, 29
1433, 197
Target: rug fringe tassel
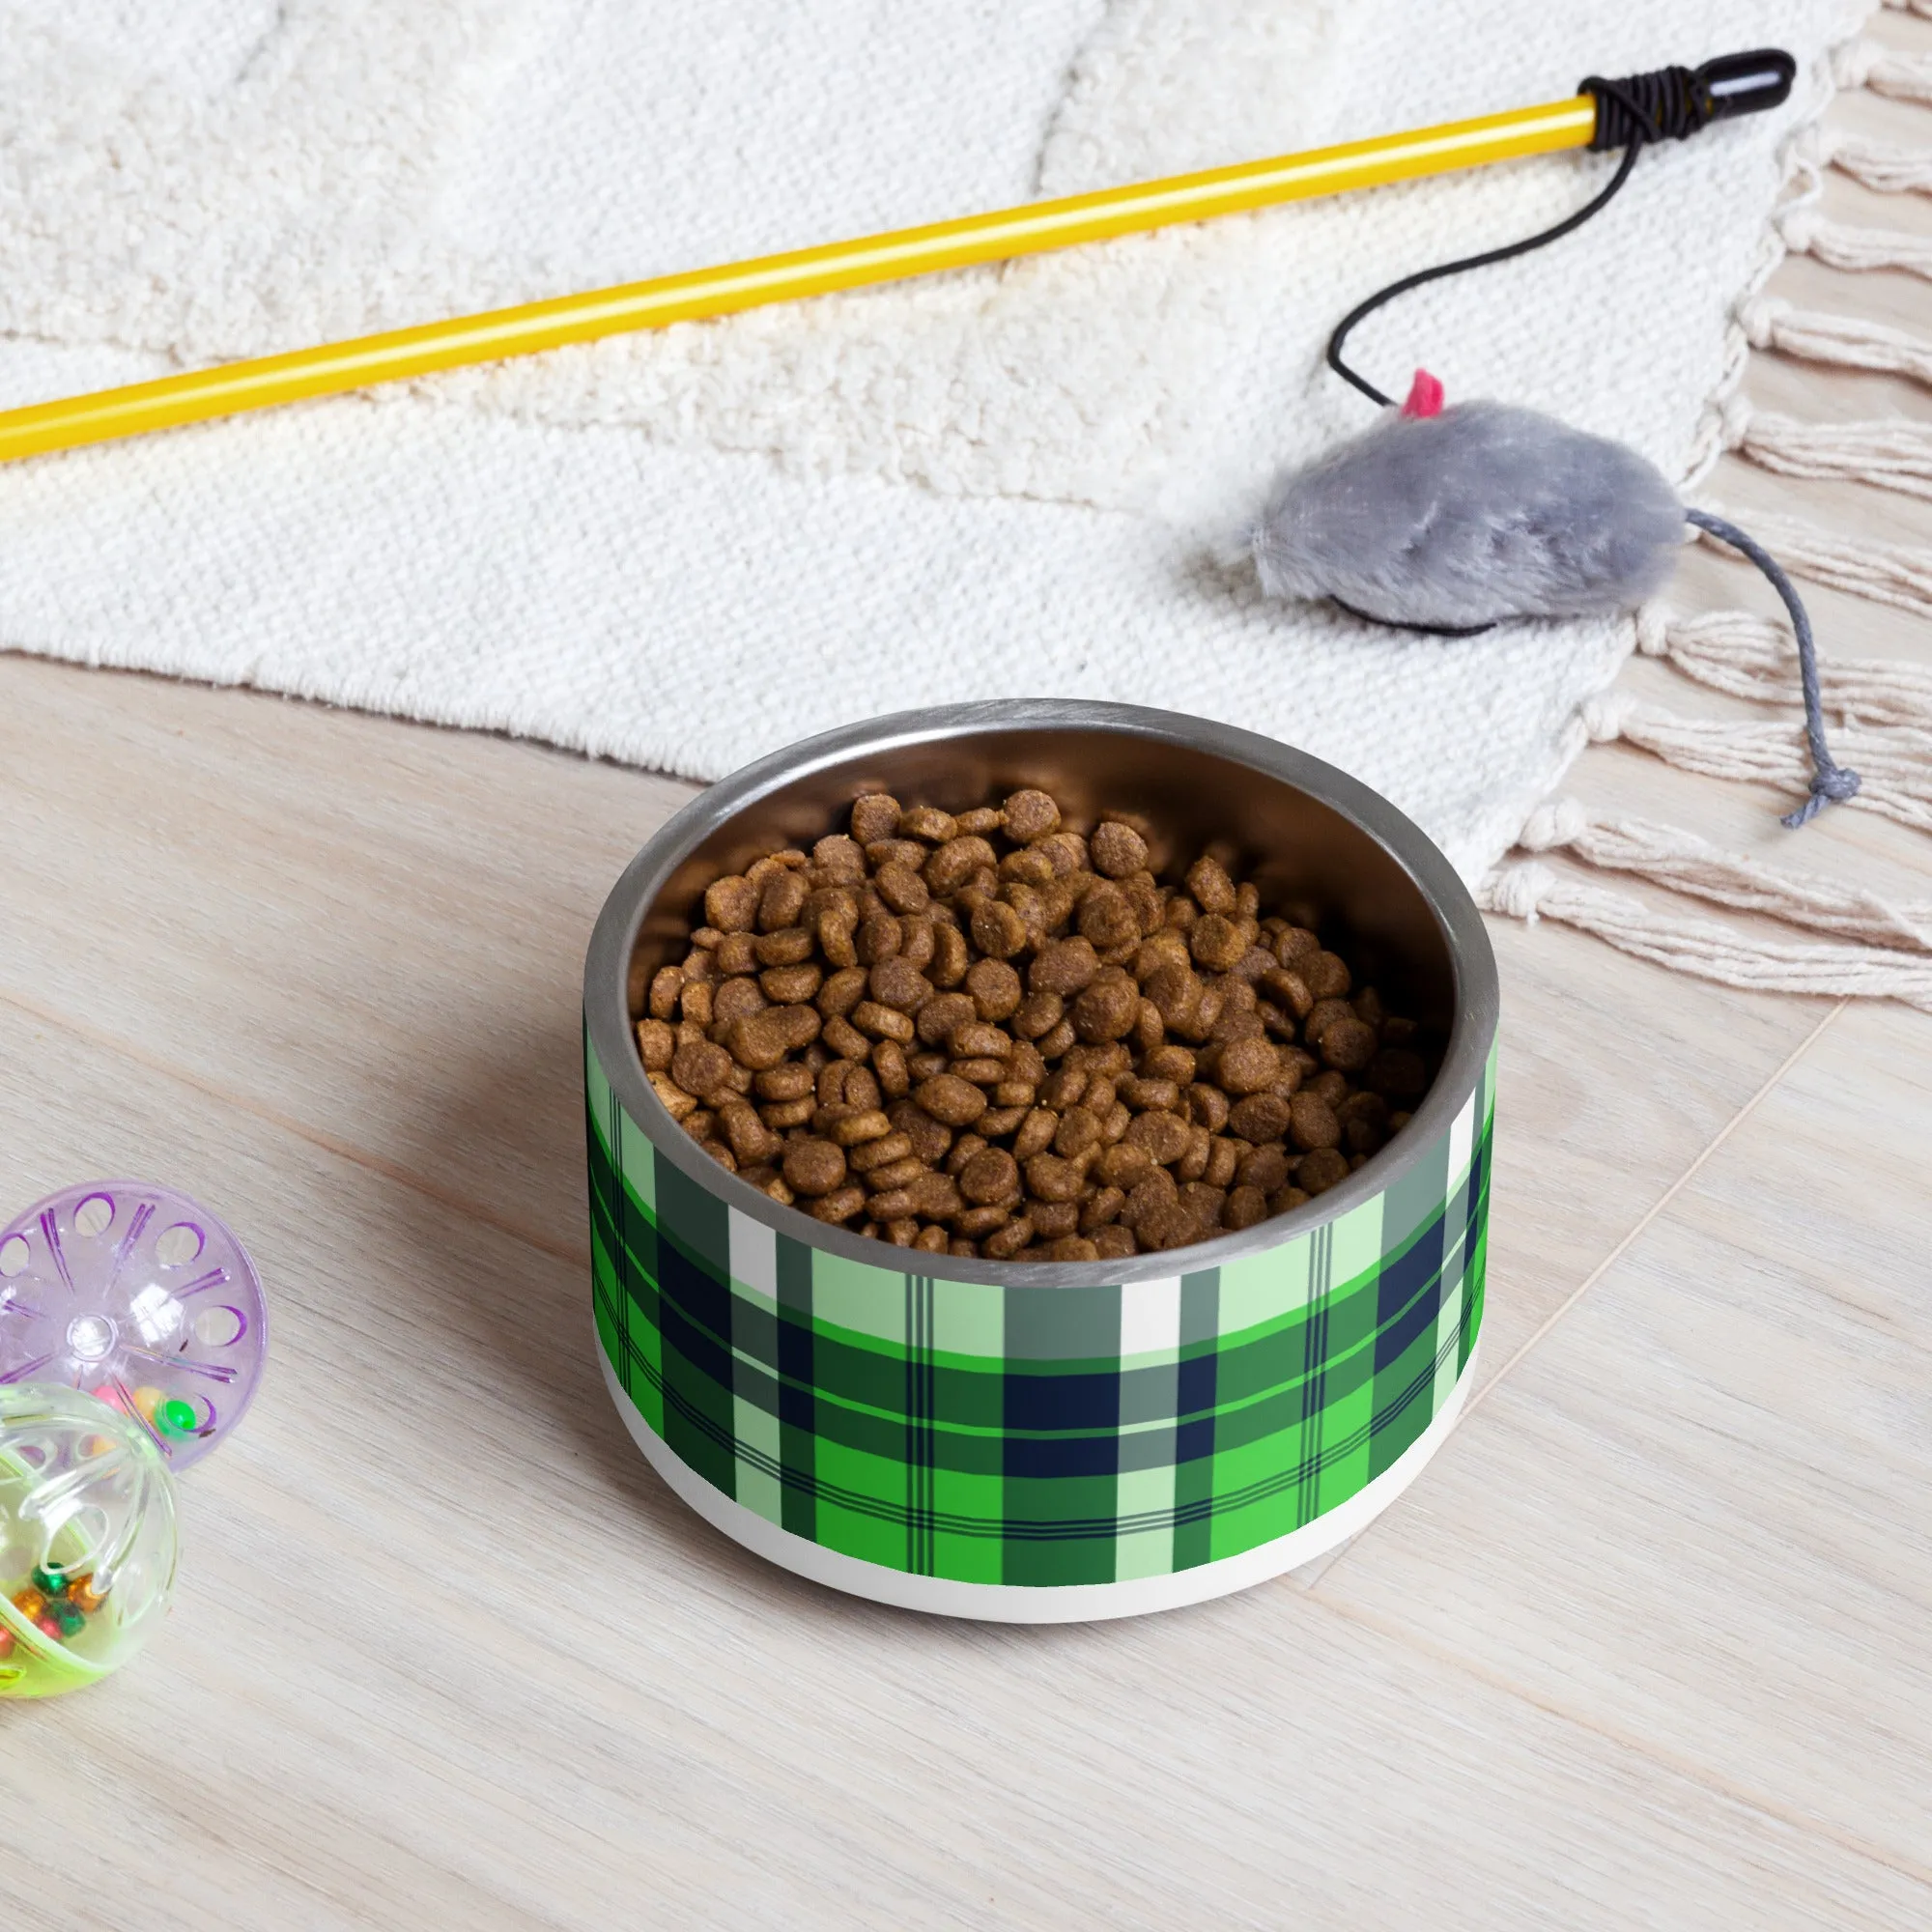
1528, 890
1839, 245
1882, 69
1747, 656
1689, 865
1845, 341
1896, 764
1896, 454
1923, 8
1879, 165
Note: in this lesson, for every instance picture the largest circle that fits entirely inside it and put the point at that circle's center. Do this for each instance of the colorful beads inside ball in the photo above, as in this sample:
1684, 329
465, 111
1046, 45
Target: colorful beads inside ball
87, 1539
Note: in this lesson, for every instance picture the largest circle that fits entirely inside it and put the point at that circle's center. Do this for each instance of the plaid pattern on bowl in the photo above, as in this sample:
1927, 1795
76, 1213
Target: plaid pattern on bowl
1015, 1434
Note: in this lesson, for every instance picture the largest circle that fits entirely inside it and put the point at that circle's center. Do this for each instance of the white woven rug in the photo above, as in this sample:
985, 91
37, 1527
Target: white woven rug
686, 550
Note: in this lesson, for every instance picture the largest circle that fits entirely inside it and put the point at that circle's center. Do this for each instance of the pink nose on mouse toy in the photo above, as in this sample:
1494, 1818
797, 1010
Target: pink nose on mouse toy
1425, 396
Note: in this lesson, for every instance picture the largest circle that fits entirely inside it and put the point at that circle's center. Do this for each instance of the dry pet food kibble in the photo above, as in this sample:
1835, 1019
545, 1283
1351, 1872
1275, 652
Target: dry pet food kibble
993, 1035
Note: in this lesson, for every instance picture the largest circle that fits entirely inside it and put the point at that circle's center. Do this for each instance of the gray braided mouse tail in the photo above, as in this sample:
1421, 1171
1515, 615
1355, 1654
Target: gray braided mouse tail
1830, 781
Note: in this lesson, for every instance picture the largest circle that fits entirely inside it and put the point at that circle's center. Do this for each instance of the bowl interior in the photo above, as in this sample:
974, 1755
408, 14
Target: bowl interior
1309, 860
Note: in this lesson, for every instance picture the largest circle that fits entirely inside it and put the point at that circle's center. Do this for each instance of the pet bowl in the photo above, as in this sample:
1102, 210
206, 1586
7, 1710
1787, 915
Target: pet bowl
1048, 1441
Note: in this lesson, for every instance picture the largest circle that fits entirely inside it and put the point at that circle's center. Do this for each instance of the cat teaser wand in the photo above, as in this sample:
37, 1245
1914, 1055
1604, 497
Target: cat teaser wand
1597, 118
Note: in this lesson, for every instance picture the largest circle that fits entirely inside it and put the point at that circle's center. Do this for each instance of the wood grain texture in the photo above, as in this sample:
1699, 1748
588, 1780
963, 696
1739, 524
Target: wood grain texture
1644, 1646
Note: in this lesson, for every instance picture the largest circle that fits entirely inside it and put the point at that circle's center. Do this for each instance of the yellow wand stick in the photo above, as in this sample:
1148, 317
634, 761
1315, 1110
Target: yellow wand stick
1032, 230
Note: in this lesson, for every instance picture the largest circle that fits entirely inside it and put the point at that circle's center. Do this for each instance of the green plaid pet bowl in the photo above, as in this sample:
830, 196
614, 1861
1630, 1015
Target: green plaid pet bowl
1043, 1442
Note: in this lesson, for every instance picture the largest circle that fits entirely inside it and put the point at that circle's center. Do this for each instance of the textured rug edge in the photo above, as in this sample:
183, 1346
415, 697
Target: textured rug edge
1872, 948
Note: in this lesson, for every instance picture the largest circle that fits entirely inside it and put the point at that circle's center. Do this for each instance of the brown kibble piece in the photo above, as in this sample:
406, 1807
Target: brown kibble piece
1289, 989
903, 889
976, 1223
997, 929
1072, 1248
995, 988
748, 1136
1216, 942
836, 924
1243, 1207
667, 984
1124, 1165
1049, 1177
941, 1014
1349, 1046
1207, 1107
1248, 1066
1038, 1014
731, 904
874, 816
1210, 886
656, 1043
839, 859
1320, 1169
1162, 1137
1117, 850
1312, 1122
1328, 975
928, 822
879, 1021
1028, 816
1063, 966
1108, 1008
982, 1072
1172, 1226
950, 957
956, 862
1079, 1129
1266, 1168
734, 1000
1006, 1242
1102, 1208
813, 1167
788, 946
781, 901
702, 1067
991, 1175
680, 1104
1322, 1016
789, 985
1114, 1242
838, 1206
853, 1128
1107, 917
895, 983
950, 1100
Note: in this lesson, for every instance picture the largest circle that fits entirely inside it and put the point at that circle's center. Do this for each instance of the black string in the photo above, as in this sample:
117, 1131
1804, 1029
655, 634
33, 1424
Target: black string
1671, 104
1646, 107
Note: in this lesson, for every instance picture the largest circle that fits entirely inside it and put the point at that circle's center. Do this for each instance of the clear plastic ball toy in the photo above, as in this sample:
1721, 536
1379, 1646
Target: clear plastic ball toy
87, 1539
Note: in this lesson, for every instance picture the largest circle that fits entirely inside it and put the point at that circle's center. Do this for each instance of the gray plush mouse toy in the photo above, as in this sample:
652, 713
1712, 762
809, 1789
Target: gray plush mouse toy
1454, 520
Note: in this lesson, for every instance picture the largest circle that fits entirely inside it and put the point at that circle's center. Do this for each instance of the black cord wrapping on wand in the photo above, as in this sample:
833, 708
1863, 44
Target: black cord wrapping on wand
1670, 104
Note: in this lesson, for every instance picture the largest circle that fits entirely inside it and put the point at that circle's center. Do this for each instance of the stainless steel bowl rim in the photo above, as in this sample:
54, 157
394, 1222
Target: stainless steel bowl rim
1472, 962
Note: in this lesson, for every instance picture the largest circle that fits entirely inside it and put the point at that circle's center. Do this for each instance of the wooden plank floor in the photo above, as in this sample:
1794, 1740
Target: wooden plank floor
1645, 1645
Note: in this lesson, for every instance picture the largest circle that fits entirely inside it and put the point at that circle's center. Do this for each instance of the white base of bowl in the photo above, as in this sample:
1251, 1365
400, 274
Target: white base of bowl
1046, 1603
